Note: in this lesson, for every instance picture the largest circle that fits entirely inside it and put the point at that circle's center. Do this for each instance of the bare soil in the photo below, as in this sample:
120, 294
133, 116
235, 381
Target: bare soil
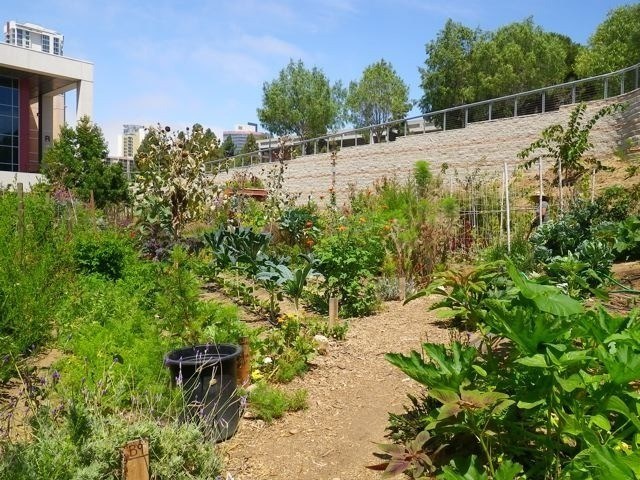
351, 390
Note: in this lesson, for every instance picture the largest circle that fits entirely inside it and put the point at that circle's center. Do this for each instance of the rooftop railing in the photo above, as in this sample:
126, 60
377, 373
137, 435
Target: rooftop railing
540, 100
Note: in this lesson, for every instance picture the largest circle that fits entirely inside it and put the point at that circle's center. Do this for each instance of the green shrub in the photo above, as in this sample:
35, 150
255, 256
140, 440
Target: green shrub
269, 403
348, 260
177, 450
422, 176
101, 253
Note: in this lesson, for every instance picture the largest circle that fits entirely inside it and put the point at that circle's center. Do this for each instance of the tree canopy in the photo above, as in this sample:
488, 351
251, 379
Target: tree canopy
465, 65
446, 76
76, 161
301, 102
228, 147
614, 45
378, 97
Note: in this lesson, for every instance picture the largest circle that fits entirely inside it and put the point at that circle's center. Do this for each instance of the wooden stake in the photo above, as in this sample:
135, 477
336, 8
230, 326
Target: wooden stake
402, 288
333, 311
20, 191
135, 460
244, 363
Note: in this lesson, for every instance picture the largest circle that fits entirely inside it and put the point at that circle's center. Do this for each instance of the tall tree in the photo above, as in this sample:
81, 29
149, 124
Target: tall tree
76, 161
615, 43
251, 145
447, 74
228, 147
301, 102
378, 97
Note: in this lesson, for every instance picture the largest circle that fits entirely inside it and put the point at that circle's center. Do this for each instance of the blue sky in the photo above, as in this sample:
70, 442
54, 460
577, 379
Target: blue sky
181, 62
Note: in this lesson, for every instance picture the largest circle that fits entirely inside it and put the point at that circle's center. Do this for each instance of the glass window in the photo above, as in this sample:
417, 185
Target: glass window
9, 122
56, 46
46, 47
6, 96
27, 38
7, 160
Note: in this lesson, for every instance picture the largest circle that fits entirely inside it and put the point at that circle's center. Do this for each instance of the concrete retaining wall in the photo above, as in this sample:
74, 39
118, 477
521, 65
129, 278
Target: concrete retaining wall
484, 145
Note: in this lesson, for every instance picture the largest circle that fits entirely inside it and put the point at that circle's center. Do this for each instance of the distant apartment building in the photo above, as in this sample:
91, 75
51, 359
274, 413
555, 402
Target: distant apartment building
130, 140
34, 75
34, 37
241, 133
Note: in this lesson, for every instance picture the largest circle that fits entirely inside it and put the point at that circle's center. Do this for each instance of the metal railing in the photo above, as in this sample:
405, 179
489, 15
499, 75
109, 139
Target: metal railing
540, 100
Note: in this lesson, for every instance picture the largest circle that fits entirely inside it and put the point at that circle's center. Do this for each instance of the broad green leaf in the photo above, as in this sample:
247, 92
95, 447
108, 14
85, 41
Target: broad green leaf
547, 298
507, 470
571, 383
600, 421
536, 361
529, 405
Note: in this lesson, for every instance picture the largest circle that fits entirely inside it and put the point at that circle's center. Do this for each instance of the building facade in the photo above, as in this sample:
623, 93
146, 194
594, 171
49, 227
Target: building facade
241, 133
130, 140
34, 75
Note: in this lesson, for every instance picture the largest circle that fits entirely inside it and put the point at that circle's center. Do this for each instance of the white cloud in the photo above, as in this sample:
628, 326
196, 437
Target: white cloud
269, 45
234, 65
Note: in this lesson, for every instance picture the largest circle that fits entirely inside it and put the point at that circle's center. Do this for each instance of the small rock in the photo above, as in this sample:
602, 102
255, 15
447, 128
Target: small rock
293, 432
322, 344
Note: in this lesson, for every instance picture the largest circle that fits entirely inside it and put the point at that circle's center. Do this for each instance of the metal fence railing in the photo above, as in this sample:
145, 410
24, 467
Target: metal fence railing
540, 100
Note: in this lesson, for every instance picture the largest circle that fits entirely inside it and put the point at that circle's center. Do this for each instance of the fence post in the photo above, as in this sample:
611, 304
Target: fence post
444, 121
466, 117
507, 205
573, 94
515, 107
544, 100
621, 84
490, 110
606, 88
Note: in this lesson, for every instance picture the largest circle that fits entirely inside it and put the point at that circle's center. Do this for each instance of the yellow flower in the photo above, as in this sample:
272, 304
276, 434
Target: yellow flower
256, 375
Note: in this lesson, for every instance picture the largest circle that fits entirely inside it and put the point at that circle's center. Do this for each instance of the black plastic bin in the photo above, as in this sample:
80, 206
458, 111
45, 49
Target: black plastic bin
207, 374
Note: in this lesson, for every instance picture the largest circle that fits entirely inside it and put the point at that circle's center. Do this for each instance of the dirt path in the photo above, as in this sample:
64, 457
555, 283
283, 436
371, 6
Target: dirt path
351, 390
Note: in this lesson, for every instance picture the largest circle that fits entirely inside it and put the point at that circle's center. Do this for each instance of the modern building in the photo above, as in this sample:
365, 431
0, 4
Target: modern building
34, 75
130, 140
241, 133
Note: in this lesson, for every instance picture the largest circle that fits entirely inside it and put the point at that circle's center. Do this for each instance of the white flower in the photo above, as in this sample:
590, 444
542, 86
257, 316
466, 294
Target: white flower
267, 360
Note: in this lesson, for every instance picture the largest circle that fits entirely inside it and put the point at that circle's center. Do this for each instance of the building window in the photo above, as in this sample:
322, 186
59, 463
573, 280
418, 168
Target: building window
9, 122
46, 47
27, 39
56, 46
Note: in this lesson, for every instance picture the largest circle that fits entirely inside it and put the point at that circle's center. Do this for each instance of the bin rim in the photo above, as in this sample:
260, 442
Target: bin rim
206, 354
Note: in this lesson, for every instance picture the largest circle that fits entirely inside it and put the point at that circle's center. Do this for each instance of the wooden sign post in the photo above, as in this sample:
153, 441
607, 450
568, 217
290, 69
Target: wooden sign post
135, 460
333, 311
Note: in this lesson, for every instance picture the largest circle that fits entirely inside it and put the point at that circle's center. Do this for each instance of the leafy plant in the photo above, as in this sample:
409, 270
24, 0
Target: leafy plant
464, 292
172, 185
568, 145
548, 393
